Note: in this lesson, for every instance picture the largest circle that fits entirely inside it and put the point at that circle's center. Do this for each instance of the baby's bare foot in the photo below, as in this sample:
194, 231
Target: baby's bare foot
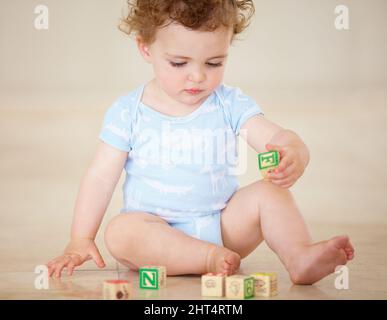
222, 260
314, 262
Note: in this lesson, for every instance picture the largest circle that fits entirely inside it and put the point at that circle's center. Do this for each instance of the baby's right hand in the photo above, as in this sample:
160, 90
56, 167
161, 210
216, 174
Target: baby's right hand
76, 253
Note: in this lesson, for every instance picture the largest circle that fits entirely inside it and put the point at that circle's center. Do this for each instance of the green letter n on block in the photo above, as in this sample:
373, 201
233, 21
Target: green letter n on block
149, 278
268, 160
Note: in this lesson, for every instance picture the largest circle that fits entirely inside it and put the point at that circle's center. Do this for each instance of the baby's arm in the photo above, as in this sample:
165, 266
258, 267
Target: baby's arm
96, 190
262, 135
94, 195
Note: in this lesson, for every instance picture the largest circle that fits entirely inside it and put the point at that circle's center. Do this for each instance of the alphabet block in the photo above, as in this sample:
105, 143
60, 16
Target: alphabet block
116, 290
213, 285
153, 277
268, 161
239, 287
265, 284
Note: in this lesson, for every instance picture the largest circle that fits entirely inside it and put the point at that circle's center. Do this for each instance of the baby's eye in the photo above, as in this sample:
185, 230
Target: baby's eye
177, 64
215, 64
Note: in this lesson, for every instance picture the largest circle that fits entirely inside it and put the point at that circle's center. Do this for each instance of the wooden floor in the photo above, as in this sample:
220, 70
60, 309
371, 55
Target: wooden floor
45, 150
367, 275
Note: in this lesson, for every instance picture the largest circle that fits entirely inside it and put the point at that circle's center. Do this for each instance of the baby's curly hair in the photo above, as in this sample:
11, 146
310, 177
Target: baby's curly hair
146, 16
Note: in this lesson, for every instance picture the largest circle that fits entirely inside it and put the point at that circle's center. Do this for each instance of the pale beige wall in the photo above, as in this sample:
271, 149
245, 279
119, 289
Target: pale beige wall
329, 86
290, 43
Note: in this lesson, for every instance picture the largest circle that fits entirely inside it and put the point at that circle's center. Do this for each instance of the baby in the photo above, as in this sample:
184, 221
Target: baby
176, 136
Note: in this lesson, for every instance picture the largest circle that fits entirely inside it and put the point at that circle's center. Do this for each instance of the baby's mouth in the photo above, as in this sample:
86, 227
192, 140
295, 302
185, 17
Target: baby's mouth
193, 91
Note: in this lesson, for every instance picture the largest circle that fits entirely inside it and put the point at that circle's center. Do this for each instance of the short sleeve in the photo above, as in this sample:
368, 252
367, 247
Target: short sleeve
117, 124
240, 107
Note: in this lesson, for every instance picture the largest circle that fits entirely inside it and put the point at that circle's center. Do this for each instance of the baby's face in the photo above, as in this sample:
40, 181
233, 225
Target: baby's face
183, 59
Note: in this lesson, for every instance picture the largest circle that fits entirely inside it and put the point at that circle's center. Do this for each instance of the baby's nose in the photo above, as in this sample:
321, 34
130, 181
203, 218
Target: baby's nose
197, 75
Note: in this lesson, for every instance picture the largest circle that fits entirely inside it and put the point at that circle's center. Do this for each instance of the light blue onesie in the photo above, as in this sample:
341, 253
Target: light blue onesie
182, 169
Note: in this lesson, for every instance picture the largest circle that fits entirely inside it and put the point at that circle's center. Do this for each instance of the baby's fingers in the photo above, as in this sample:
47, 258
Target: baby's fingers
60, 265
51, 270
70, 268
52, 265
285, 183
96, 256
59, 268
74, 261
283, 165
282, 174
54, 261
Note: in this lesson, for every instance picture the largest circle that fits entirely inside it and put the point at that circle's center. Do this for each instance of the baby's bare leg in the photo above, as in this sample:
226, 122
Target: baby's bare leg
264, 211
138, 238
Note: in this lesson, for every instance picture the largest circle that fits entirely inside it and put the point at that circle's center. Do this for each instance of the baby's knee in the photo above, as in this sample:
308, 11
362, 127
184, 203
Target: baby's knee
124, 232
266, 188
111, 235
120, 230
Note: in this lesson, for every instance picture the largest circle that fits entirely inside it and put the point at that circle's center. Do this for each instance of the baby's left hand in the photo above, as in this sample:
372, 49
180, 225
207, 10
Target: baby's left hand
291, 166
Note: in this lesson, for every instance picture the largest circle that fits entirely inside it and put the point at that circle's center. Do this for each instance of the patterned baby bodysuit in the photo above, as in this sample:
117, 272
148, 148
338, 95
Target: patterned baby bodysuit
179, 166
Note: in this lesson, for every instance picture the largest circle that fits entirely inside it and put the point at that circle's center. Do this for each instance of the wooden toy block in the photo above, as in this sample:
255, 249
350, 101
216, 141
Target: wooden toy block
239, 287
153, 277
116, 290
268, 161
265, 284
213, 285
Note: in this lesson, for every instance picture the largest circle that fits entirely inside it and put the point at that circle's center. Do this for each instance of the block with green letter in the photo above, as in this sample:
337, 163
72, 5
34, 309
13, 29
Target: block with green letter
239, 287
153, 277
268, 160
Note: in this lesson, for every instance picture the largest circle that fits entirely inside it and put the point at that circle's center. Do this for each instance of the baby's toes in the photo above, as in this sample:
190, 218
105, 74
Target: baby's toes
352, 250
350, 253
233, 259
349, 250
231, 269
226, 266
351, 246
340, 242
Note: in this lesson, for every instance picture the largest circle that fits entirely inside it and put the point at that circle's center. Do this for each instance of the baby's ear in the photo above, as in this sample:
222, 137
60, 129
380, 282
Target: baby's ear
144, 49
